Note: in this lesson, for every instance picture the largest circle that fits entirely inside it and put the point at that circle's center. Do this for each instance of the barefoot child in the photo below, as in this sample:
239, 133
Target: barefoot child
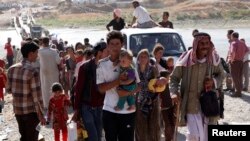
128, 82
168, 109
58, 108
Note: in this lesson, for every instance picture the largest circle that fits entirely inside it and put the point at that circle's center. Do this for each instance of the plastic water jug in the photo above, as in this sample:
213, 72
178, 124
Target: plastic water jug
72, 131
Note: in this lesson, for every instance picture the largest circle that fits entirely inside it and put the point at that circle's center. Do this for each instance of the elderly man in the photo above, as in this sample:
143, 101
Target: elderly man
142, 17
191, 69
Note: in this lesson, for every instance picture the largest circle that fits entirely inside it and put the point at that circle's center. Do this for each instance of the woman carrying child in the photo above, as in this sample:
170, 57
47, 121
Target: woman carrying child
148, 107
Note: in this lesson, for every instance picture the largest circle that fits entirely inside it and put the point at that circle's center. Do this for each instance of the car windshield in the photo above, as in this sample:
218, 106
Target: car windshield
171, 42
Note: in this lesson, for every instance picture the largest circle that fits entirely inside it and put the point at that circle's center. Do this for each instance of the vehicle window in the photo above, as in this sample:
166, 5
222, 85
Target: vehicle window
36, 28
171, 41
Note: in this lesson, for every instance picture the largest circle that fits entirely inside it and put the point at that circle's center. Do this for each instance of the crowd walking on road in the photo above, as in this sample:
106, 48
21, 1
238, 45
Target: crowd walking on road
117, 94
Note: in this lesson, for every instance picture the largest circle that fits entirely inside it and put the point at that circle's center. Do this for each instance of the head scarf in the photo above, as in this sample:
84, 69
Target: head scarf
118, 12
189, 58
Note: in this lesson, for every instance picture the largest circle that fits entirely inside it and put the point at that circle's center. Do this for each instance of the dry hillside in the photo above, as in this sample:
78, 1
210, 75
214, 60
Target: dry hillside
79, 15
211, 9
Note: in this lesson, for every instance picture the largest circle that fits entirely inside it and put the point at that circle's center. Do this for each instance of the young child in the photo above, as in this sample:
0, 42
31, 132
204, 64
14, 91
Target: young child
168, 109
170, 64
209, 104
209, 101
58, 108
129, 82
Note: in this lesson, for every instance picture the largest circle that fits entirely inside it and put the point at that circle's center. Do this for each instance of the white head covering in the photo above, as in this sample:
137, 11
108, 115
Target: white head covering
118, 12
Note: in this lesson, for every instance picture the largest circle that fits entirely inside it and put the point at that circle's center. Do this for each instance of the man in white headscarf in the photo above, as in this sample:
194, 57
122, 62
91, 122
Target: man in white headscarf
141, 17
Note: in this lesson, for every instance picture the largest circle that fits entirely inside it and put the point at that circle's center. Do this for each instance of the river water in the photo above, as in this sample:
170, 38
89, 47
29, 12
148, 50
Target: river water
77, 35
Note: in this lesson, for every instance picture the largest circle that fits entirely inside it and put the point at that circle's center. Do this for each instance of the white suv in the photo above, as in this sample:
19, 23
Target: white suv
138, 38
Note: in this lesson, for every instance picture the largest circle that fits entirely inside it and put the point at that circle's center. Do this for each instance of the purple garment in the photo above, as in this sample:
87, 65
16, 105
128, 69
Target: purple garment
131, 73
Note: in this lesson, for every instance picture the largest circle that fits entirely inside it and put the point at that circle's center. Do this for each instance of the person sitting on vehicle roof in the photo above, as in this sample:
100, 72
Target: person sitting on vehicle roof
141, 17
165, 22
117, 22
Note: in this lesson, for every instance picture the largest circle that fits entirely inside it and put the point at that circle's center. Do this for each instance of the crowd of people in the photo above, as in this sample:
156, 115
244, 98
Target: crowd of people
110, 92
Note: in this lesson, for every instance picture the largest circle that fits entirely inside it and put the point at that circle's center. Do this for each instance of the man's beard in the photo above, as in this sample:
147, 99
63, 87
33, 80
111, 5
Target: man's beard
202, 53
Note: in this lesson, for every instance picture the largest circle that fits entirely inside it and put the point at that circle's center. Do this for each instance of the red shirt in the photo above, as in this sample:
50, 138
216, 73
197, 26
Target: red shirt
9, 49
58, 107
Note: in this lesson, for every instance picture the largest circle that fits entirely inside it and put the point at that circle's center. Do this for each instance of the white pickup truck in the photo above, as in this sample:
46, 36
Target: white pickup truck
138, 38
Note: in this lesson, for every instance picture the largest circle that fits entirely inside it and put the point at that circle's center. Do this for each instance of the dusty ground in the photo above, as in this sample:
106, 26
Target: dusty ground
236, 111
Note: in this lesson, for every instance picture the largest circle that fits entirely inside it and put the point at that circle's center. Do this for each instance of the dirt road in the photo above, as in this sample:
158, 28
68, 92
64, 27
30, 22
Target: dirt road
236, 112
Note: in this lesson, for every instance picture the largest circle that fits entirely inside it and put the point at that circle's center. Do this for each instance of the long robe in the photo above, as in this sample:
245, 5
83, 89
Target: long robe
49, 72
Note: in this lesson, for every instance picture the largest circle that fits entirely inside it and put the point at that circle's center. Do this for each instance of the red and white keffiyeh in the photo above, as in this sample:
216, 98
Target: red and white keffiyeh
189, 58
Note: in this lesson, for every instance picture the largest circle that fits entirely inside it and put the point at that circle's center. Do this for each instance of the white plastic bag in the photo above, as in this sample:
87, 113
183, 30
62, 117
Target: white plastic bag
72, 131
